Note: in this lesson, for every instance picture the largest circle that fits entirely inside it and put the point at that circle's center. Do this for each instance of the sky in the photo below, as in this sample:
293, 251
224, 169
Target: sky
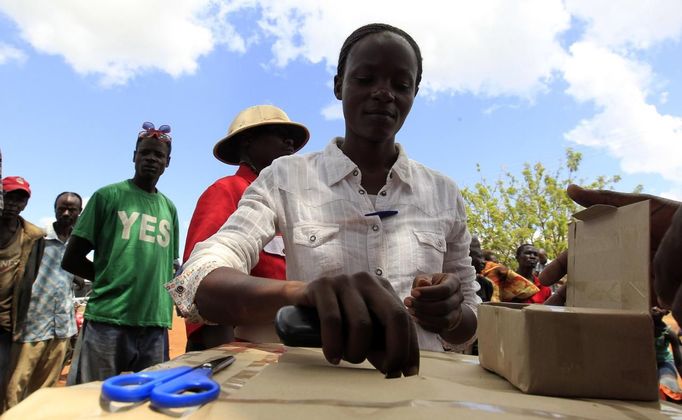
505, 82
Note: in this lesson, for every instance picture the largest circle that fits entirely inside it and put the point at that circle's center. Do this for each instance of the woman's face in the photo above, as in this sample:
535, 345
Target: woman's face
378, 86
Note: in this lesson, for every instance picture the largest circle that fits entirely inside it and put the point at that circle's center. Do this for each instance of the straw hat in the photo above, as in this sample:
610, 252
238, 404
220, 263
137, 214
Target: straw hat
227, 148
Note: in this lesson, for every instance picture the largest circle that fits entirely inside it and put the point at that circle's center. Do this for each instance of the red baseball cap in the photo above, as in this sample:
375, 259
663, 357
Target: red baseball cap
13, 183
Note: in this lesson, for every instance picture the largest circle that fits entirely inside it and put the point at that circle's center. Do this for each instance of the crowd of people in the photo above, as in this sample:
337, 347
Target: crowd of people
372, 239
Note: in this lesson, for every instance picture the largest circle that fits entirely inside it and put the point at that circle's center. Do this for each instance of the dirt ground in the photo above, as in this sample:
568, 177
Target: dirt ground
177, 338
176, 343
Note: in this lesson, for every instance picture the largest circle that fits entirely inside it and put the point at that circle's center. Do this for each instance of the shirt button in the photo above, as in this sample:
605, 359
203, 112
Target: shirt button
383, 193
375, 228
180, 290
379, 272
355, 172
362, 192
313, 238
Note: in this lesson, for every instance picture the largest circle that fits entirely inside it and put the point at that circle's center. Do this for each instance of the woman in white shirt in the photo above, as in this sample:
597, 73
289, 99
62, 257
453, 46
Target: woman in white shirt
368, 232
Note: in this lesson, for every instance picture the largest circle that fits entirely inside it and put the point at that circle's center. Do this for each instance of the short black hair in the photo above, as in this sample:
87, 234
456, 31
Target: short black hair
520, 249
67, 193
139, 139
375, 28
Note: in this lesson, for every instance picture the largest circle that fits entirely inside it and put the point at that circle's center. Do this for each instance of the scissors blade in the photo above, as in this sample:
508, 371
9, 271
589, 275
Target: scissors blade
218, 364
196, 387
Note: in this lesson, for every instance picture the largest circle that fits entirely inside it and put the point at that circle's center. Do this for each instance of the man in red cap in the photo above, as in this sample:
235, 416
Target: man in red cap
21, 250
41, 340
257, 136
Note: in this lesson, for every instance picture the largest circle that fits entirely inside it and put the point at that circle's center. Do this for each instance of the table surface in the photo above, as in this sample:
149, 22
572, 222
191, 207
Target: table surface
270, 381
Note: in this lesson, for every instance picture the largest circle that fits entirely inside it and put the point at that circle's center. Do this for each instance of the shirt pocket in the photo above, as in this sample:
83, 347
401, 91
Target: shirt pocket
318, 247
430, 251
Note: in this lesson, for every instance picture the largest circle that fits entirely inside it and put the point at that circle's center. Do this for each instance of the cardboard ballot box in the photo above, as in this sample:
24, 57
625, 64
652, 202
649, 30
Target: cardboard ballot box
601, 345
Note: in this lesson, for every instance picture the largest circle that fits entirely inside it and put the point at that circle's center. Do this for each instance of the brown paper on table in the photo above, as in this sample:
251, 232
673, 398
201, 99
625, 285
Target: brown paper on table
302, 385
601, 345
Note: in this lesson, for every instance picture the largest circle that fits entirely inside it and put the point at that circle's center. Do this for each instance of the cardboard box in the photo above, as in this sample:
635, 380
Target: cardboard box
608, 259
601, 345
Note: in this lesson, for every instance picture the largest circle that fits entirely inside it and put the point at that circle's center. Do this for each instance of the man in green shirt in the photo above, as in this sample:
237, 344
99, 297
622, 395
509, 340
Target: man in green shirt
133, 229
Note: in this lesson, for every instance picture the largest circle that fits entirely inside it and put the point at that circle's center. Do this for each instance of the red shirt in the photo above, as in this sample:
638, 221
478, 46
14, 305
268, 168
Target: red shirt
542, 295
214, 207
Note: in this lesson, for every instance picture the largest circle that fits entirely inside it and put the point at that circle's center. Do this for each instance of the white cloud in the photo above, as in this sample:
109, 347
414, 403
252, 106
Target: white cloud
493, 47
489, 48
9, 53
673, 194
46, 221
333, 111
631, 129
663, 98
628, 23
117, 39
604, 70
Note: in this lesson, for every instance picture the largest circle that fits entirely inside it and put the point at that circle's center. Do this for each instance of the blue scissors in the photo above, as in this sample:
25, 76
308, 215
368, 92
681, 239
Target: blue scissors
183, 386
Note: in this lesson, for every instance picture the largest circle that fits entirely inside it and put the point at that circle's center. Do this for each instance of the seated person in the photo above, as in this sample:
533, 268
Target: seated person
369, 234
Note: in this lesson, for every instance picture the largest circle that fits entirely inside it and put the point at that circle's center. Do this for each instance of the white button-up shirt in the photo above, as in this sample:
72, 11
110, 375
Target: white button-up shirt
330, 227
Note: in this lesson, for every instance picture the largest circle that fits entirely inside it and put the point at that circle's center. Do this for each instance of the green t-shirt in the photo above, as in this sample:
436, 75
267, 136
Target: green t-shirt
135, 236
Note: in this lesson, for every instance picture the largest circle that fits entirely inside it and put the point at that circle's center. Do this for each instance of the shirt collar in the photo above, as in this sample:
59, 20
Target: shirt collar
339, 165
246, 172
50, 233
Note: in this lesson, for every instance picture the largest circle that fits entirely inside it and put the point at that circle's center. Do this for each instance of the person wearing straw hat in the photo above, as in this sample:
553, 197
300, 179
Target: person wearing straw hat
257, 136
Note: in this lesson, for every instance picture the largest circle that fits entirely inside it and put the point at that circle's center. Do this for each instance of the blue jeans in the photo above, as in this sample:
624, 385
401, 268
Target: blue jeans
107, 350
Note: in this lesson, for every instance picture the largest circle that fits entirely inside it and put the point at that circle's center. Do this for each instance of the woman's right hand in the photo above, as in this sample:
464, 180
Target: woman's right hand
350, 308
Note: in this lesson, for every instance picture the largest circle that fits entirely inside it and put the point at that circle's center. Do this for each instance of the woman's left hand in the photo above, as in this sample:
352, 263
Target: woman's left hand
436, 302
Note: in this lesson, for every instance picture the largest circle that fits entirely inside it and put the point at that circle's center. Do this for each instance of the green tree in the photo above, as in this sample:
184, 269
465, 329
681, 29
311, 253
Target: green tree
530, 208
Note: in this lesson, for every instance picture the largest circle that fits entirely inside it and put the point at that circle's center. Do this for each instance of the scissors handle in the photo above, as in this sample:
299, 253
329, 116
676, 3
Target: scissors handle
197, 384
136, 387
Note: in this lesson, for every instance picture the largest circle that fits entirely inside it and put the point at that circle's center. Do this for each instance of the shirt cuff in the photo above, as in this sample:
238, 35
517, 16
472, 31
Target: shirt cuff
184, 287
466, 346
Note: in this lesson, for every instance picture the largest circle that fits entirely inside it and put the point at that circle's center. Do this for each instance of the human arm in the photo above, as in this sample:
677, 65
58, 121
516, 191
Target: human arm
661, 214
354, 302
667, 277
215, 285
75, 259
86, 233
447, 303
436, 303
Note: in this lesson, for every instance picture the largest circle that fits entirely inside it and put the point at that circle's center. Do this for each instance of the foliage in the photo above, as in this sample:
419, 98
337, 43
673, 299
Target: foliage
530, 208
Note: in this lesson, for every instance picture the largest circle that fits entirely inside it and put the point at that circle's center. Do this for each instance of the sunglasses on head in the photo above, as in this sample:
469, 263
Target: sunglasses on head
161, 133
